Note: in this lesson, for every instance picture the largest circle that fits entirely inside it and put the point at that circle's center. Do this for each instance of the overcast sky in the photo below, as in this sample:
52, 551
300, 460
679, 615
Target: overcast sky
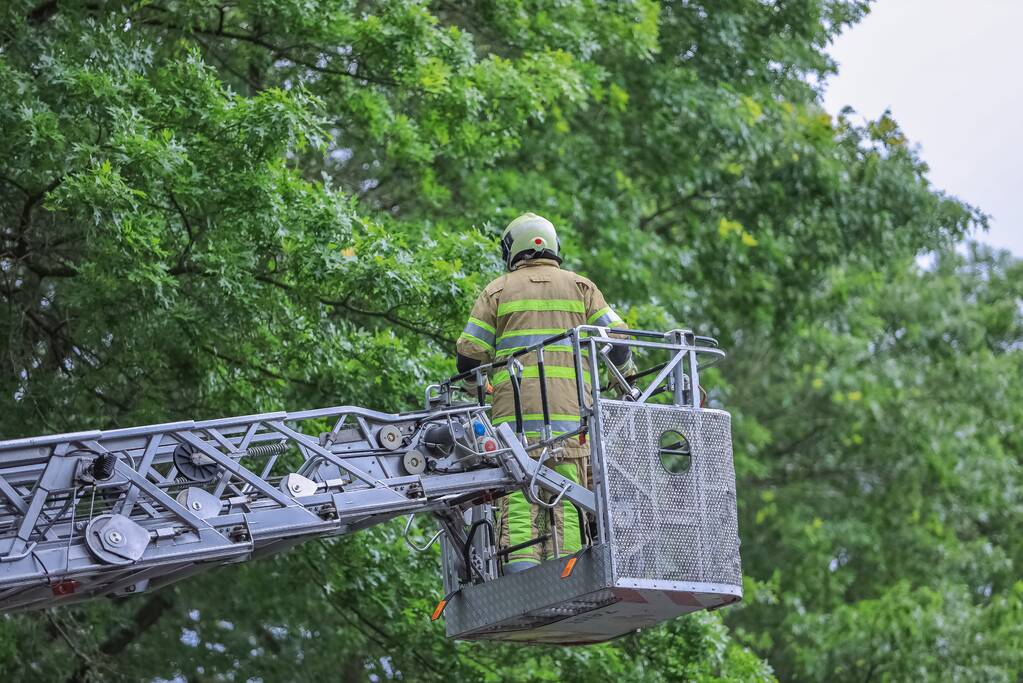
951, 71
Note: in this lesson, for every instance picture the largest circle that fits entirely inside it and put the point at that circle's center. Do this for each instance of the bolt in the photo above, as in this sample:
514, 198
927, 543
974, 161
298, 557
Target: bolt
115, 537
296, 487
196, 505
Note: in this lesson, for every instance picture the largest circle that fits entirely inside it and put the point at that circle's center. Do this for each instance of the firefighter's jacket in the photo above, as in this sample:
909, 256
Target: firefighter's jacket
534, 301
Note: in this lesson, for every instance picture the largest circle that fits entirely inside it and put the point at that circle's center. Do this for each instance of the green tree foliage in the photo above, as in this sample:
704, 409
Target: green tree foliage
217, 208
889, 475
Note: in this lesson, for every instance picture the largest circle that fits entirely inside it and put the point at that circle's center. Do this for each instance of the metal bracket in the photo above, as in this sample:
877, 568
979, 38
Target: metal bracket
522, 468
413, 546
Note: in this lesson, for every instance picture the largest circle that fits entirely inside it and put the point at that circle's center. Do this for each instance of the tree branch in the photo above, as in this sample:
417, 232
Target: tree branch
645, 221
188, 228
278, 51
144, 618
384, 315
382, 638
40, 13
418, 328
258, 368
25, 220
50, 271
13, 183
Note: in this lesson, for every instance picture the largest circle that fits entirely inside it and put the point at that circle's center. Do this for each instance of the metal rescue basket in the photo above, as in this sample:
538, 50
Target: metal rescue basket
663, 535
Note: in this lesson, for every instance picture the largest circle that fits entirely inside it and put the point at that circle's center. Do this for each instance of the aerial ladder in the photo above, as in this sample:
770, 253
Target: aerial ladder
114, 513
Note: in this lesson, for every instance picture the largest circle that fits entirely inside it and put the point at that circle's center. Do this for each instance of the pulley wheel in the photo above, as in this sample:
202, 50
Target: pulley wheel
390, 437
414, 462
115, 539
193, 464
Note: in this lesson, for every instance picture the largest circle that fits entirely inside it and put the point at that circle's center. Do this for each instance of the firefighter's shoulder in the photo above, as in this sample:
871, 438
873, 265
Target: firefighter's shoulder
496, 285
582, 282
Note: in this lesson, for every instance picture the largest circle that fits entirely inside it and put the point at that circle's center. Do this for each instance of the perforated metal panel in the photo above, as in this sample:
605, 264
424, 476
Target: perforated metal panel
673, 549
664, 526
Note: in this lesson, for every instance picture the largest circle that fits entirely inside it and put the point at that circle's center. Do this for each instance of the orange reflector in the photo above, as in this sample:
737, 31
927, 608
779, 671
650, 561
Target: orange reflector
569, 566
440, 608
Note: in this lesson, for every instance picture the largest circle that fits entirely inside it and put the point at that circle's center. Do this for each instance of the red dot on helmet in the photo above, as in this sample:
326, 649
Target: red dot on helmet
538, 240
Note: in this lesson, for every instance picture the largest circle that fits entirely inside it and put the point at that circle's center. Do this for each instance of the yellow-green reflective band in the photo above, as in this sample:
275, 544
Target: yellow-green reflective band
483, 334
541, 305
607, 321
537, 435
536, 417
532, 372
532, 428
508, 351
571, 539
486, 326
477, 341
535, 428
541, 332
521, 338
604, 317
519, 522
602, 311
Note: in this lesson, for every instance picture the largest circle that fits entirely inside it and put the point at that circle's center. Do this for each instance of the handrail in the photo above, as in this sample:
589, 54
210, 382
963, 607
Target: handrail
711, 348
680, 373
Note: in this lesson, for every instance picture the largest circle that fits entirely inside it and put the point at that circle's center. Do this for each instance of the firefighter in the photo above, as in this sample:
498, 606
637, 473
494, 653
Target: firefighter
534, 300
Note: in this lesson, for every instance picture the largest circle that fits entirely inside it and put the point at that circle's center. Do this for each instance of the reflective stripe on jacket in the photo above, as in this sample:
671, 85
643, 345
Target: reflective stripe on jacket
535, 301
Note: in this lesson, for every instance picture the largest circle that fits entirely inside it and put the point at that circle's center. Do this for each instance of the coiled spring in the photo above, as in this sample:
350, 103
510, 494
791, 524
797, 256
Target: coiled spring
102, 467
268, 449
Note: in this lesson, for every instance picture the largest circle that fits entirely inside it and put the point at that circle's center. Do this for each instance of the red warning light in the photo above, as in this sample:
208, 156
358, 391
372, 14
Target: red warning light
538, 241
65, 587
490, 445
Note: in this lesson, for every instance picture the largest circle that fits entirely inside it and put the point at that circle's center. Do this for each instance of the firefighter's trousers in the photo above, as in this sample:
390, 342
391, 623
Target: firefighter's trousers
521, 522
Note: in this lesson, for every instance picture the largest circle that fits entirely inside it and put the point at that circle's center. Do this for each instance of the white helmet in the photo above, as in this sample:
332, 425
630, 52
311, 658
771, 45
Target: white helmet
527, 237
